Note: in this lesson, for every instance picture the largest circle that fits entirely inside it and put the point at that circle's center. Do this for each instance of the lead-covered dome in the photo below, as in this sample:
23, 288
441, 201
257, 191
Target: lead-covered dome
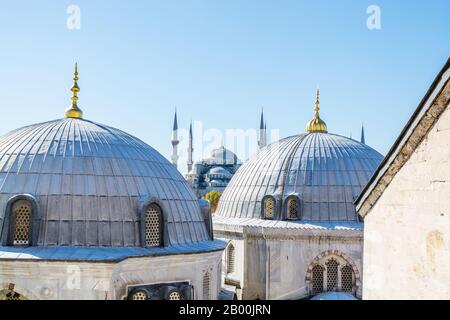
324, 172
90, 181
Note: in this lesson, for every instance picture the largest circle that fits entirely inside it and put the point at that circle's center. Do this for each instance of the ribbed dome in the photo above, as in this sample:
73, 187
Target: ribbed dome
326, 172
89, 181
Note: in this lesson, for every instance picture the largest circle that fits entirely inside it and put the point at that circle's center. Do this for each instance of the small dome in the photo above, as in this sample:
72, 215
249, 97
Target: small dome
325, 171
89, 181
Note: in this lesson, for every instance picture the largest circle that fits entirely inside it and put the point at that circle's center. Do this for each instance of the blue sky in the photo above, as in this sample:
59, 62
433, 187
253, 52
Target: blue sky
220, 62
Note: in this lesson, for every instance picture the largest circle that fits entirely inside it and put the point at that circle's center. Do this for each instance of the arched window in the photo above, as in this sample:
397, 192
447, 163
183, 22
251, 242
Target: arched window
292, 208
317, 278
332, 275
206, 286
347, 278
230, 258
174, 295
21, 223
11, 295
153, 221
269, 208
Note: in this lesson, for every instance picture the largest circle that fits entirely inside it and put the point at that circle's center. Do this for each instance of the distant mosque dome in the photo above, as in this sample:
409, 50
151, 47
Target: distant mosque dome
221, 156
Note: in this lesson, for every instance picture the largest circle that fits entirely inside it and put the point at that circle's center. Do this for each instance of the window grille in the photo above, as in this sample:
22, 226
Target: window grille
174, 295
317, 278
139, 295
269, 208
347, 278
22, 218
206, 286
12, 295
332, 274
153, 226
292, 208
230, 259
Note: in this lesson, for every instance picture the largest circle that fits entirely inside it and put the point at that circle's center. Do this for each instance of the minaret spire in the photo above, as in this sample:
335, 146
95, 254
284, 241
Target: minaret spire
190, 149
363, 138
262, 131
316, 124
73, 111
175, 141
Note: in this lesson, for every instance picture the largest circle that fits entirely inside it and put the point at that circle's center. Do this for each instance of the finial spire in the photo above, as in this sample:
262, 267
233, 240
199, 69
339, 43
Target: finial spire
73, 111
316, 124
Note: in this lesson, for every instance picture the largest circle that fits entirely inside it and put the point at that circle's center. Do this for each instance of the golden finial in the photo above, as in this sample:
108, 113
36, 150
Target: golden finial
316, 124
73, 111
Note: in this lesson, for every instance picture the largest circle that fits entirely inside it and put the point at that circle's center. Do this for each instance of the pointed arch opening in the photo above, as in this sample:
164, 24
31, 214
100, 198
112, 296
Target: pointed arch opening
153, 220
231, 258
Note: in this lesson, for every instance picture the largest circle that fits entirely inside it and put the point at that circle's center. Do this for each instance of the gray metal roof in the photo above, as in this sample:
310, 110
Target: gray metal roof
89, 181
105, 254
326, 171
289, 224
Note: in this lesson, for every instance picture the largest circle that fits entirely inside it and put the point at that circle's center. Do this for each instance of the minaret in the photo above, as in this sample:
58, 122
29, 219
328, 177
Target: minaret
262, 131
363, 138
73, 111
175, 141
190, 150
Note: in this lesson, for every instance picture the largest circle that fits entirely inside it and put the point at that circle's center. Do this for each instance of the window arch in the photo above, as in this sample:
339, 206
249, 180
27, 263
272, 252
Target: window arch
206, 286
269, 206
332, 275
230, 258
317, 278
21, 217
153, 224
332, 271
292, 206
347, 278
11, 295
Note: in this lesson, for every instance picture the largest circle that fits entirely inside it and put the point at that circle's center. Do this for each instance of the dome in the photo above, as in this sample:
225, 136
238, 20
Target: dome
221, 156
89, 182
325, 171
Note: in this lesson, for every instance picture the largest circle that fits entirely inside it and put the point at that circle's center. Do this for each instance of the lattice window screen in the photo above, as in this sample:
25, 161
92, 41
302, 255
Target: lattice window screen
153, 226
269, 208
206, 286
22, 215
292, 209
139, 295
174, 295
317, 278
347, 278
12, 295
332, 274
230, 259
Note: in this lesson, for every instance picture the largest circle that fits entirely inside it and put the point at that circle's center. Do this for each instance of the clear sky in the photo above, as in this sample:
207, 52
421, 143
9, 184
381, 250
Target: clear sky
219, 62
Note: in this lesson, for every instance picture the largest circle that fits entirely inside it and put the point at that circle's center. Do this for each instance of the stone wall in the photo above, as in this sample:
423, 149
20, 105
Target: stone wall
407, 246
59, 280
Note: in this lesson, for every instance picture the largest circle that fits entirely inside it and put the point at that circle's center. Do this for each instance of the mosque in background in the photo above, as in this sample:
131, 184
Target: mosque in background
88, 211
216, 170
289, 218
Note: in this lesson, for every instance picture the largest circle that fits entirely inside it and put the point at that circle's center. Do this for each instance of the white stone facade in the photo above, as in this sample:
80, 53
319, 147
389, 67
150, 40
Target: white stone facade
407, 243
276, 264
62, 280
